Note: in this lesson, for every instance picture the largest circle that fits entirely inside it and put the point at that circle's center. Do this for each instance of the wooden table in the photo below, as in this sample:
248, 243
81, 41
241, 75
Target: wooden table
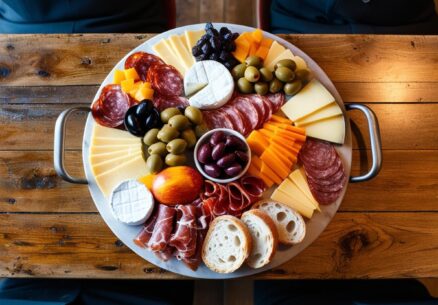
385, 228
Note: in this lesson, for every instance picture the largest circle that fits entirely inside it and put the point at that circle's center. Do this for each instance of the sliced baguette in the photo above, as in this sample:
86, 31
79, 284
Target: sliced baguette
264, 237
227, 244
290, 224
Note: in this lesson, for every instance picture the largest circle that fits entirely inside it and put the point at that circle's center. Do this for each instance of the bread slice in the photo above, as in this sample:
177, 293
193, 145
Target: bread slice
227, 244
264, 237
290, 224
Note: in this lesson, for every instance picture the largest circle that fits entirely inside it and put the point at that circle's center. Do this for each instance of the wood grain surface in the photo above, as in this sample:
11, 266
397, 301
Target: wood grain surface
50, 228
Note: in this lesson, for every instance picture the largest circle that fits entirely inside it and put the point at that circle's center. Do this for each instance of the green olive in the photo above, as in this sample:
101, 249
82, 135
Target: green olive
254, 61
288, 63
284, 74
266, 75
261, 88
175, 160
238, 71
154, 163
158, 148
293, 87
200, 130
176, 146
275, 86
151, 136
179, 122
252, 74
167, 133
189, 136
244, 85
303, 75
166, 114
193, 114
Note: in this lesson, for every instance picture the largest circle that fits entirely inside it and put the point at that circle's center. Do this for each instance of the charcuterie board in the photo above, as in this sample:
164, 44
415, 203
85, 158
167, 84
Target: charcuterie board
279, 96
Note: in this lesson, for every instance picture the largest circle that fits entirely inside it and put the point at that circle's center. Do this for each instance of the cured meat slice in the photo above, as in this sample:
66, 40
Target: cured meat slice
245, 192
142, 239
257, 102
324, 173
253, 186
162, 229
268, 108
323, 197
317, 154
277, 100
165, 79
141, 61
194, 261
217, 119
165, 254
236, 119
248, 110
184, 239
324, 186
327, 180
110, 108
162, 102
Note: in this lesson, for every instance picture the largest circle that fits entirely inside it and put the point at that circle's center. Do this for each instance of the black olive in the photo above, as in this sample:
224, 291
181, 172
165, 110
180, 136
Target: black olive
212, 32
196, 51
214, 56
201, 57
201, 41
228, 65
235, 35
133, 124
143, 108
206, 49
225, 56
208, 26
228, 36
224, 31
152, 120
215, 43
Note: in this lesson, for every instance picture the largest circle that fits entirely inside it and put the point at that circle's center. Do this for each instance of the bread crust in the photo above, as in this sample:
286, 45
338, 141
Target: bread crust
246, 243
273, 229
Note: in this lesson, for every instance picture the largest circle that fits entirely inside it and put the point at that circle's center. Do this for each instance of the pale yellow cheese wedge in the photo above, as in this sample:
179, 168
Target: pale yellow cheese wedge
327, 112
291, 202
274, 51
181, 52
106, 132
298, 177
192, 37
332, 130
167, 54
98, 158
98, 141
99, 149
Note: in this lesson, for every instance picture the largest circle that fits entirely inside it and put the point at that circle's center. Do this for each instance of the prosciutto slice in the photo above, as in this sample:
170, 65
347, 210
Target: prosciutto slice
143, 237
162, 229
184, 238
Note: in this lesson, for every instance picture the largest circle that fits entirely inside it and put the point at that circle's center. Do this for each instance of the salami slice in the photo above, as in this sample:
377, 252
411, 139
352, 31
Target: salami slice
323, 197
324, 173
329, 185
236, 119
162, 102
317, 154
257, 102
141, 61
248, 110
110, 108
217, 119
166, 80
277, 100
268, 108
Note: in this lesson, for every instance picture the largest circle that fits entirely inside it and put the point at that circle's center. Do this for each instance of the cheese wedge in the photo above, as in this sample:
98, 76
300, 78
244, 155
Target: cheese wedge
181, 52
106, 132
102, 166
298, 177
110, 141
286, 54
301, 64
166, 53
288, 187
274, 51
192, 37
133, 169
94, 149
332, 130
98, 158
327, 112
313, 97
291, 202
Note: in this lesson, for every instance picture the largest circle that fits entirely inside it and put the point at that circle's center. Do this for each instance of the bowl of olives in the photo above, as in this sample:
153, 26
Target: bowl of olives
222, 155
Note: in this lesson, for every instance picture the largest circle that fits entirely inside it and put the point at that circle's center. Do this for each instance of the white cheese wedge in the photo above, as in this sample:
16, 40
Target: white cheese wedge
192, 88
286, 54
288, 200
98, 158
104, 165
192, 37
274, 51
133, 169
298, 177
106, 132
101, 149
310, 99
131, 202
109, 141
301, 64
219, 88
332, 130
327, 112
166, 53
183, 55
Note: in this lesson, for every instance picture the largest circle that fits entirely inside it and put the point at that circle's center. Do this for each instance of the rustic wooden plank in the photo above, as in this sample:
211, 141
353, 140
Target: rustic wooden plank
350, 92
403, 126
240, 12
86, 59
28, 183
212, 10
399, 245
187, 12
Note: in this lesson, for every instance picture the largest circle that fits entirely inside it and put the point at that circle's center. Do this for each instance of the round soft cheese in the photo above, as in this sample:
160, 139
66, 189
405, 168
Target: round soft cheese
131, 202
208, 84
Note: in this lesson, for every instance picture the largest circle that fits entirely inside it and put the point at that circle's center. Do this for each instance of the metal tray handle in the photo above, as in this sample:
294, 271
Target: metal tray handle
58, 149
376, 144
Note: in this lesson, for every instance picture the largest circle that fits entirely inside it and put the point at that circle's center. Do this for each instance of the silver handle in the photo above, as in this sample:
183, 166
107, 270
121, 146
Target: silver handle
376, 143
58, 149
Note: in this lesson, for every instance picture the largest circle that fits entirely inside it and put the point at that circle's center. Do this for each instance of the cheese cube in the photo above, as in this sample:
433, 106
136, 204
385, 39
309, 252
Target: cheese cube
119, 76
310, 99
131, 74
127, 85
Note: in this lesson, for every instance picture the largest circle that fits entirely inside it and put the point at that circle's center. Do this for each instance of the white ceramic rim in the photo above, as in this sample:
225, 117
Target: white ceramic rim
202, 141
126, 234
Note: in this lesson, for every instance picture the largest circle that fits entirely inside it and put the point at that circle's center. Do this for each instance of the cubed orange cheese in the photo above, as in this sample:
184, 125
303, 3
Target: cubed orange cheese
119, 76
127, 85
266, 42
268, 172
242, 48
131, 74
257, 35
262, 52
144, 93
257, 142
